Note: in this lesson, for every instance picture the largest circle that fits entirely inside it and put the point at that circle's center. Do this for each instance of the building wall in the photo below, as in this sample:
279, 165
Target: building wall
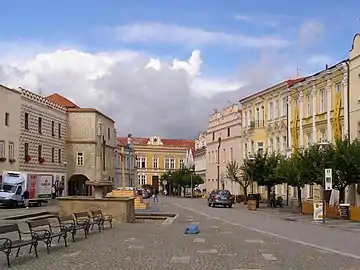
49, 137
227, 126
155, 149
265, 126
10, 103
130, 171
354, 104
85, 137
200, 155
317, 111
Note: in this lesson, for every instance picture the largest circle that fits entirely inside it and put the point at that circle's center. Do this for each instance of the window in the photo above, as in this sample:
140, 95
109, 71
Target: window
246, 149
212, 157
143, 162
308, 138
245, 120
167, 163
59, 130
39, 151
155, 162
39, 124
311, 191
228, 132
52, 154
172, 163
232, 154
26, 122
11, 151
213, 136
26, 149
59, 155
271, 144
278, 143
260, 147
7, 119
284, 143
271, 110
322, 101
80, 159
108, 133
277, 108
284, 106
308, 106
323, 134
252, 147
2, 149
224, 155
181, 163
338, 87
138, 162
53, 128
216, 157
143, 179
209, 157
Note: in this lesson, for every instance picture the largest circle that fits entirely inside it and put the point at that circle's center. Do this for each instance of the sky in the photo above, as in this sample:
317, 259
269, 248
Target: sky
161, 67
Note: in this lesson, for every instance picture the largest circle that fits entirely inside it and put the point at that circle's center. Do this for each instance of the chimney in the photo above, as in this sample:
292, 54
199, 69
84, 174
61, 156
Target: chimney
326, 66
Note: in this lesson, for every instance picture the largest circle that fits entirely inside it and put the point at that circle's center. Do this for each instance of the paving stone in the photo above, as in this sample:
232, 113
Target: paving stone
254, 241
183, 259
269, 257
207, 251
199, 240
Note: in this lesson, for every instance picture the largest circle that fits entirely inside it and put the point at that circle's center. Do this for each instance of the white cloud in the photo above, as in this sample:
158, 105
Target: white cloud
310, 32
320, 60
262, 19
144, 95
154, 32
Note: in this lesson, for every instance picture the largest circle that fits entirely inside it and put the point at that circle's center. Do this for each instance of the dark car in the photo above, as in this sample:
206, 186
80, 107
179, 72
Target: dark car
220, 197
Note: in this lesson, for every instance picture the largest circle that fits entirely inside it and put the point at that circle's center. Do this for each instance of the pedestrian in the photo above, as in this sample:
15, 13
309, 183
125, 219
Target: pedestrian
26, 195
53, 192
156, 193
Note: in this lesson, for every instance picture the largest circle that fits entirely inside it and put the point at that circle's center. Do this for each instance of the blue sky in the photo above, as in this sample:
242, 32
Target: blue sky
83, 23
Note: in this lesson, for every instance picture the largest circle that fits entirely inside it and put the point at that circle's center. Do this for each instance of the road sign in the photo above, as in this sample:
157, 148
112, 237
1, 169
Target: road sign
328, 179
164, 182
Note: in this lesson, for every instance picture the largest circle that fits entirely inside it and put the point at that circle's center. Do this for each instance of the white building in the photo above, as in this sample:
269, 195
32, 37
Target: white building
200, 155
10, 107
129, 171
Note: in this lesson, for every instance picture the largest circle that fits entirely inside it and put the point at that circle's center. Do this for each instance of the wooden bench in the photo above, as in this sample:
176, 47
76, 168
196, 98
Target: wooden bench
15, 241
84, 219
68, 223
42, 230
98, 216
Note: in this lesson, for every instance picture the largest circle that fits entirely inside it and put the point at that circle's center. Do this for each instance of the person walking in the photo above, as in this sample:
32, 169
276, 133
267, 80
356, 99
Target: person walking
53, 192
26, 196
156, 193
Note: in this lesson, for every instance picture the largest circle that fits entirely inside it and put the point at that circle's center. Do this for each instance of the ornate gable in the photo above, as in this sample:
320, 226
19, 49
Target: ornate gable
155, 140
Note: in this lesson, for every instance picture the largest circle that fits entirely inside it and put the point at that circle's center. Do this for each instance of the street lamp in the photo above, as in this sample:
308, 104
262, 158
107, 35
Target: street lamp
218, 163
323, 144
251, 158
288, 155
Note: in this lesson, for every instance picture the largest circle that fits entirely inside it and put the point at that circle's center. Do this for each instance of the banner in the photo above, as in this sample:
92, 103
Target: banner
318, 211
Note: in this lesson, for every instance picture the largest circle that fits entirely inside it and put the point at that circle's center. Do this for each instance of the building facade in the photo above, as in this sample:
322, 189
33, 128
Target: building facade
42, 146
91, 143
125, 169
200, 155
155, 156
223, 144
10, 125
265, 125
318, 110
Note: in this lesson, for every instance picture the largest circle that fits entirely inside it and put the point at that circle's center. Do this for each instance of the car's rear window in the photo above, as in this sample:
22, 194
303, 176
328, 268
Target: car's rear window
224, 192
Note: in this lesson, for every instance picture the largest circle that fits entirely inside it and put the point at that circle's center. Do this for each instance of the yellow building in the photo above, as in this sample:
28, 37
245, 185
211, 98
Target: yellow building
318, 109
155, 156
264, 123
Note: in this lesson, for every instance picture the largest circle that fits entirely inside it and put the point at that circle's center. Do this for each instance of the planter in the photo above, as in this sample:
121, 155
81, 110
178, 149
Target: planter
251, 205
27, 158
3, 159
12, 161
41, 160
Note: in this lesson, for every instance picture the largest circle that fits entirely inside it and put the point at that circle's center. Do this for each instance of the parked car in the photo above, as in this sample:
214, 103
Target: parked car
220, 197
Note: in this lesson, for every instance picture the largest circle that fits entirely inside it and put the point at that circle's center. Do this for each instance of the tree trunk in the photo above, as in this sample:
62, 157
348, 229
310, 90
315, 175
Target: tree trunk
299, 199
245, 195
268, 195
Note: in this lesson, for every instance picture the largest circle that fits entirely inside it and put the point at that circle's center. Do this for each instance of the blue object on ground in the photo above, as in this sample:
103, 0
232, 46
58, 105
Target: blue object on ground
192, 229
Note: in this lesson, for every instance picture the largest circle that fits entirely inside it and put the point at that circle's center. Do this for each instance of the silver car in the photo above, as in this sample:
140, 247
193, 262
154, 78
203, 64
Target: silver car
220, 197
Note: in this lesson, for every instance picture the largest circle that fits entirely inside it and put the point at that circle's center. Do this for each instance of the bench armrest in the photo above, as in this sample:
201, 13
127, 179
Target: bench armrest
5, 243
45, 233
60, 226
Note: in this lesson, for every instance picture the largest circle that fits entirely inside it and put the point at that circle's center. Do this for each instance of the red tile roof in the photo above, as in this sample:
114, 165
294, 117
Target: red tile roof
294, 81
62, 101
166, 142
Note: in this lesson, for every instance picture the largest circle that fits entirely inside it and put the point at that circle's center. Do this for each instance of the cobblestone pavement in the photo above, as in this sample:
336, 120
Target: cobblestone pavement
151, 245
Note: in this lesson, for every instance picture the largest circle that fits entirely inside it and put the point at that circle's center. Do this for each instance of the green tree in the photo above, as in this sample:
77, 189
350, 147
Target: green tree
234, 173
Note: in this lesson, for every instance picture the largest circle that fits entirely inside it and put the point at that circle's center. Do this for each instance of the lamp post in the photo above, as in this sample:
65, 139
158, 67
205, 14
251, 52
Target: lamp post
218, 164
323, 144
288, 154
251, 158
